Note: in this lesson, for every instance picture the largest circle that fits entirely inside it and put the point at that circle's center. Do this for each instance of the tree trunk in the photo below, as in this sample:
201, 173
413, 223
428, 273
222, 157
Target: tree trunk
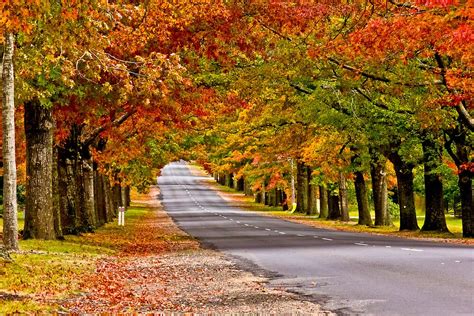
10, 211
333, 206
228, 180
467, 210
247, 188
99, 195
123, 195
39, 215
292, 183
117, 197
379, 191
311, 208
88, 185
258, 197
343, 198
109, 199
434, 202
362, 199
406, 197
67, 195
56, 196
463, 158
323, 202
301, 188
127, 196
241, 184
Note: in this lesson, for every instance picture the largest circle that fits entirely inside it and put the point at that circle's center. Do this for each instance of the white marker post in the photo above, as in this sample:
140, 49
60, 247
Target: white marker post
121, 216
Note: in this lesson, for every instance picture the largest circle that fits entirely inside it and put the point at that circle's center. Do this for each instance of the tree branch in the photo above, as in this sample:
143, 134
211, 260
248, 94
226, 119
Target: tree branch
95, 133
464, 115
379, 78
381, 105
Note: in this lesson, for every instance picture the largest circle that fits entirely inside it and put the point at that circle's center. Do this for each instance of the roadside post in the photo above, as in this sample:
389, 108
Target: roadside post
121, 216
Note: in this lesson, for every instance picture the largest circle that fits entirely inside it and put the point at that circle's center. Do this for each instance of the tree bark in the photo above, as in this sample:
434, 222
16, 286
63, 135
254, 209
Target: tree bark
123, 195
39, 215
333, 206
343, 198
10, 206
311, 197
240, 184
379, 191
301, 188
292, 184
127, 196
467, 210
109, 199
462, 157
434, 202
362, 199
406, 200
247, 188
323, 202
56, 196
88, 185
99, 196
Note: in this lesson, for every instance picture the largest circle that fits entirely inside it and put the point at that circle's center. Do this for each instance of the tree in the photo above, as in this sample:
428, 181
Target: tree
10, 222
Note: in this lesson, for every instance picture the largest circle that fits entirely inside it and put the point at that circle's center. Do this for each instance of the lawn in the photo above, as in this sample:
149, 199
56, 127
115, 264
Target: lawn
454, 224
45, 272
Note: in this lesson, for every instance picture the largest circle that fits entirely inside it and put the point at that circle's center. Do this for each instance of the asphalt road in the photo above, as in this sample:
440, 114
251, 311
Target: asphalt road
348, 273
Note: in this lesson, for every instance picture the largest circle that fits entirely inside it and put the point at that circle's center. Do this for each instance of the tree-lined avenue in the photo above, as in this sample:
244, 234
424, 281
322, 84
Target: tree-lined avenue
346, 272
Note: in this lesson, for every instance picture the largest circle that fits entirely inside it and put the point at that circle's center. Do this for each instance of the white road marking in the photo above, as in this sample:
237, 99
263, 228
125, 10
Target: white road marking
231, 219
442, 262
388, 246
282, 233
268, 229
246, 225
328, 239
237, 222
412, 249
457, 261
299, 235
256, 227
315, 236
360, 244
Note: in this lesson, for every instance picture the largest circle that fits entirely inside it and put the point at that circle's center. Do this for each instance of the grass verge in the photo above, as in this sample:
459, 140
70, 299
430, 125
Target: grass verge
45, 272
246, 202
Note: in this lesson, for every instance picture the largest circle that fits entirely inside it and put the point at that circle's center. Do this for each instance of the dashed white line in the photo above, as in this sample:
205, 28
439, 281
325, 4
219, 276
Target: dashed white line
237, 222
268, 229
328, 239
457, 261
315, 236
256, 227
412, 249
360, 244
388, 246
299, 235
282, 233
246, 225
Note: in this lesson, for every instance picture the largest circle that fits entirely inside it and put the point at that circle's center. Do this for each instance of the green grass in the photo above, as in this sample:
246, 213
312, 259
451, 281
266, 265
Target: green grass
454, 224
21, 221
52, 269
